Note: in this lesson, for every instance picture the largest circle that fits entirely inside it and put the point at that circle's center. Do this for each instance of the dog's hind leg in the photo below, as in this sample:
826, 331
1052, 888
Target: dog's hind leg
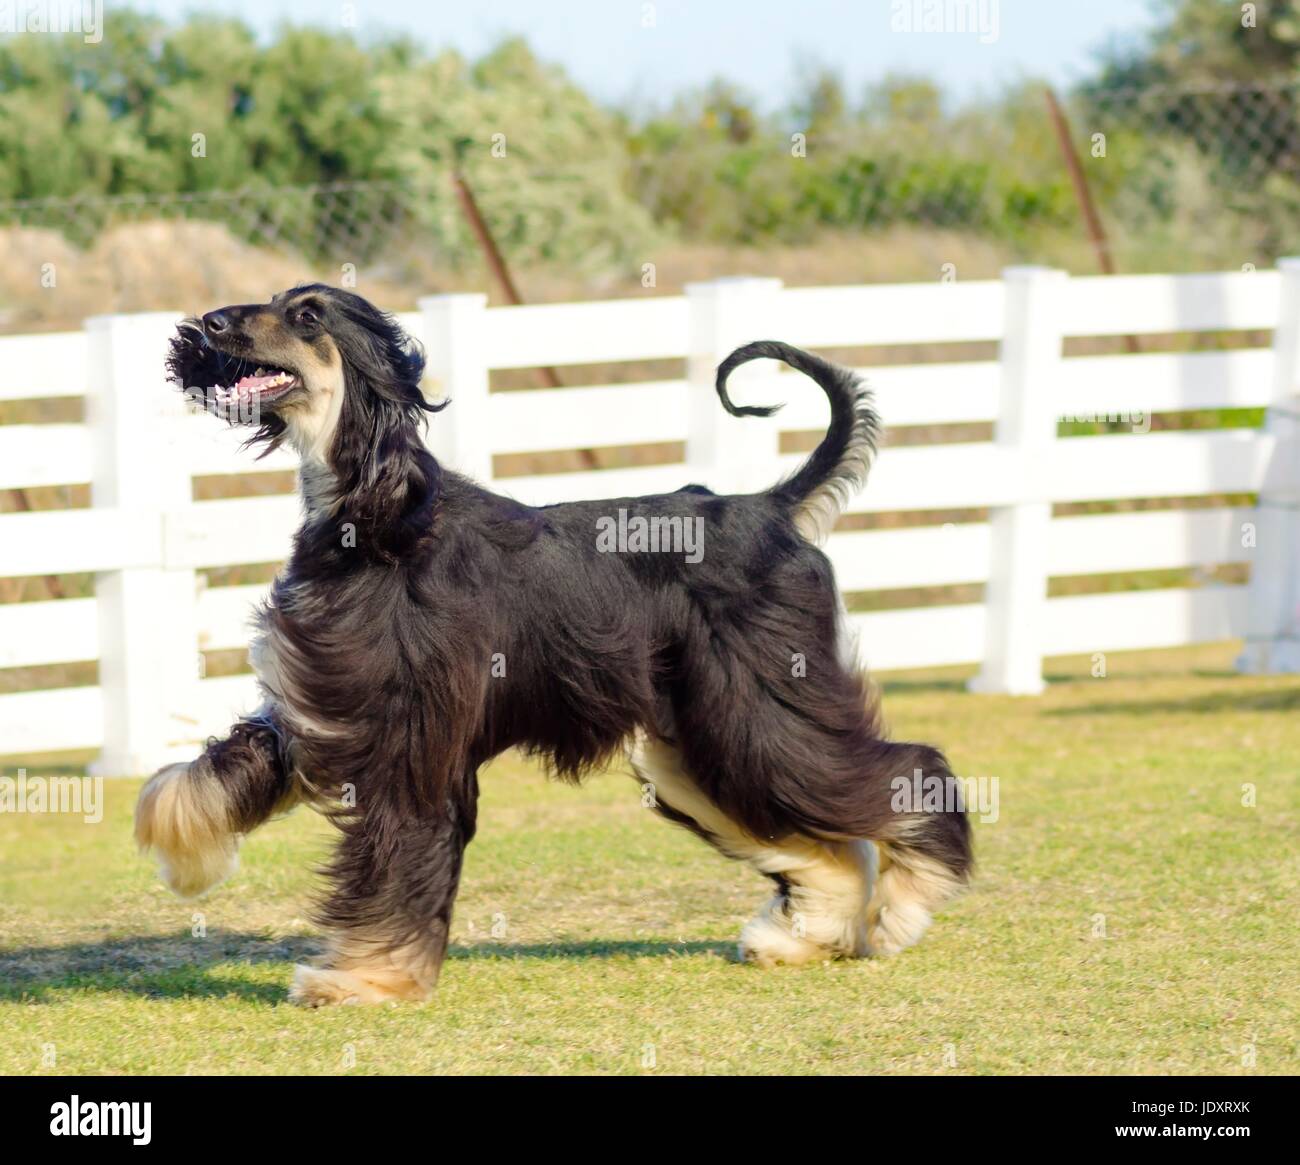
925, 850
389, 916
819, 910
194, 814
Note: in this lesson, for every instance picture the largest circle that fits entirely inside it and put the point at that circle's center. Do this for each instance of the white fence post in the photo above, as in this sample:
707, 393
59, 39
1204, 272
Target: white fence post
731, 454
456, 342
1016, 597
148, 632
1273, 628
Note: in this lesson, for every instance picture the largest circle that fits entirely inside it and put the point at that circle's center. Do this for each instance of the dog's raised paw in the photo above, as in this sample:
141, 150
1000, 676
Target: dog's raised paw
894, 928
184, 820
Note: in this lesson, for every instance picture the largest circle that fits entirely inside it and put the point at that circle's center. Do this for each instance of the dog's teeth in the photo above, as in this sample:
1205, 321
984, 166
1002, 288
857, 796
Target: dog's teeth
260, 371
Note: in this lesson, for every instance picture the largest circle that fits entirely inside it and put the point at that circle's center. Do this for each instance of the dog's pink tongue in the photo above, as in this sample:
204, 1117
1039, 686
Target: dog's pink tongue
249, 383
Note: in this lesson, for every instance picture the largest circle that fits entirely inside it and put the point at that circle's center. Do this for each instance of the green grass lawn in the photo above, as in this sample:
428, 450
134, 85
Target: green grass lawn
1130, 915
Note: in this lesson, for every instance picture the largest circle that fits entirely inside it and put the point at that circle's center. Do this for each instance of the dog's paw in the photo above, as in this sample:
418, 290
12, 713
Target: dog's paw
327, 987
767, 943
317, 987
894, 928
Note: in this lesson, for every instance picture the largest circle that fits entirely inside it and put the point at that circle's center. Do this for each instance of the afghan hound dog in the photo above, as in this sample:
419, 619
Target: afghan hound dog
424, 624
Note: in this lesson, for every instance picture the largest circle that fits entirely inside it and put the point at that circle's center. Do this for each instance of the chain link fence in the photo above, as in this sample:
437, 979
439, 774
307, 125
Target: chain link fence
1209, 174
1183, 178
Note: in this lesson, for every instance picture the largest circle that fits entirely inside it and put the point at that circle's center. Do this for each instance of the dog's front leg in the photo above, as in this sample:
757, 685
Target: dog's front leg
389, 915
194, 814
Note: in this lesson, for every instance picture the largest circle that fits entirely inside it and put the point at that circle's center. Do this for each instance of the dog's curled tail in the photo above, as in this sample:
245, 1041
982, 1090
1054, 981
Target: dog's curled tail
838, 467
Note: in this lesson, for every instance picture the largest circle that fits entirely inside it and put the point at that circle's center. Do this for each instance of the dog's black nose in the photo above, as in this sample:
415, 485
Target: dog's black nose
214, 323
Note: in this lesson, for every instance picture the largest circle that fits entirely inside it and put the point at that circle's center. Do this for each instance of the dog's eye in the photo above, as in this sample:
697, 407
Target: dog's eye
307, 317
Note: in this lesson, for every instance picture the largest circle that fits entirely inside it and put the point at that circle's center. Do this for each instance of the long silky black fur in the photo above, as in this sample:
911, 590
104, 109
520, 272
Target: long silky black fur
397, 600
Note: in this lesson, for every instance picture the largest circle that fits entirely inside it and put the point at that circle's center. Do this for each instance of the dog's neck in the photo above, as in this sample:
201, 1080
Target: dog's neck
311, 426
310, 433
373, 495
319, 487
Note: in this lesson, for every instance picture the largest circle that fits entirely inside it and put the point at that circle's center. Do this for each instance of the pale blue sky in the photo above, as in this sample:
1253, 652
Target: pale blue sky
756, 43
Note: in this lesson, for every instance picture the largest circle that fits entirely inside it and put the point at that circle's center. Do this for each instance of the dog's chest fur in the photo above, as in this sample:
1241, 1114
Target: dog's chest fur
281, 673
313, 655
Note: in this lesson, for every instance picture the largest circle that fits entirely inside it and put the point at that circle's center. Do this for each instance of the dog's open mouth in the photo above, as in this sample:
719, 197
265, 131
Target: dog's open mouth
263, 385
236, 387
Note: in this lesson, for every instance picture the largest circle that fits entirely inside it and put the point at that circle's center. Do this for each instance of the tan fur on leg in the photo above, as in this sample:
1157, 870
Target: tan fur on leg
823, 916
358, 971
910, 888
186, 821
326, 986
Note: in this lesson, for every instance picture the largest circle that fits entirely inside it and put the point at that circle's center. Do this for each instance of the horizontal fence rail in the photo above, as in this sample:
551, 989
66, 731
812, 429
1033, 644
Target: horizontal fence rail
149, 532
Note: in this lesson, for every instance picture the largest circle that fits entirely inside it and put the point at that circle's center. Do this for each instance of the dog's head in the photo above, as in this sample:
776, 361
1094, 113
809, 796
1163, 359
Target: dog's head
309, 365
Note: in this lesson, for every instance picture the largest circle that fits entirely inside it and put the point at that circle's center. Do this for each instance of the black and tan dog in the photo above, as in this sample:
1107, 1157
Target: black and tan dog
423, 624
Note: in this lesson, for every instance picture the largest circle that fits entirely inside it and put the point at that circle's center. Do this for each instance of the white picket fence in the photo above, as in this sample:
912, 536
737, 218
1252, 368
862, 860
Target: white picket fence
145, 538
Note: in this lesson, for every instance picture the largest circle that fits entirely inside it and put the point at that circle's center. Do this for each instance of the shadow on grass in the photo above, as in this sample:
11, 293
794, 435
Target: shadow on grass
1282, 700
160, 966
595, 949
182, 967
958, 685
900, 686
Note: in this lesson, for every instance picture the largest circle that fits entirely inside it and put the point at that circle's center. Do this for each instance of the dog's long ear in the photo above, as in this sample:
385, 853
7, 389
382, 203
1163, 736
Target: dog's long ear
383, 407
388, 481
